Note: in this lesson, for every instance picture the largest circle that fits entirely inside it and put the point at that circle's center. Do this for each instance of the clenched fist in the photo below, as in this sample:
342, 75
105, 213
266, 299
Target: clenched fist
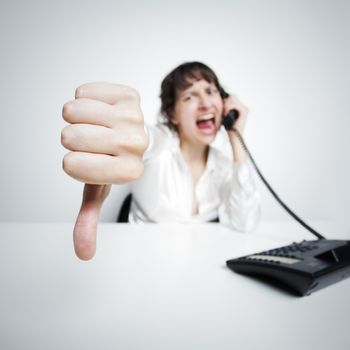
107, 139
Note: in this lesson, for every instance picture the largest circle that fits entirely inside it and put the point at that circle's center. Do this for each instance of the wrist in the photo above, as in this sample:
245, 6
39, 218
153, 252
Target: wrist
239, 153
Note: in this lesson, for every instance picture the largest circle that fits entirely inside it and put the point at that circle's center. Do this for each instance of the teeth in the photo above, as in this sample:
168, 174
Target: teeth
206, 117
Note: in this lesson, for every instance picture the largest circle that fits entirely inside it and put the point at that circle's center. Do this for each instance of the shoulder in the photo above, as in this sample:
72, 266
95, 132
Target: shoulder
160, 138
158, 131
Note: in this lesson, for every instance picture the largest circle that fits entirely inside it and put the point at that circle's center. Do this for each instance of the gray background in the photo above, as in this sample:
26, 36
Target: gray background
287, 60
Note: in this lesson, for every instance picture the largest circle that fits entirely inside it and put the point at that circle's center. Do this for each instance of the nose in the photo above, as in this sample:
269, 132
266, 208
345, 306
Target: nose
205, 102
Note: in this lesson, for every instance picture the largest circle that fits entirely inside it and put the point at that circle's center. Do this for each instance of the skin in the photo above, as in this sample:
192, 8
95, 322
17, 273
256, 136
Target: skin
106, 140
203, 98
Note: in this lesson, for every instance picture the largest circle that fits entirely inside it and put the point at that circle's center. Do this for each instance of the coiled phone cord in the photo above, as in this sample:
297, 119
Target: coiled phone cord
228, 122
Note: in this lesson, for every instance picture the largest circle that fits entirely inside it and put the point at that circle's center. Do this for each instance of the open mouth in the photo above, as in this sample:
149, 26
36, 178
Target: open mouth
206, 123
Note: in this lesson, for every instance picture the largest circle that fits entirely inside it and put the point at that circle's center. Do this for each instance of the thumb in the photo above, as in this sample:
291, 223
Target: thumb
85, 228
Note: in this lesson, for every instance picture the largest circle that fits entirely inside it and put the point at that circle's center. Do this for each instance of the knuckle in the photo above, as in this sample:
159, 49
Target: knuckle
136, 169
136, 116
116, 142
135, 143
132, 94
130, 115
132, 170
141, 142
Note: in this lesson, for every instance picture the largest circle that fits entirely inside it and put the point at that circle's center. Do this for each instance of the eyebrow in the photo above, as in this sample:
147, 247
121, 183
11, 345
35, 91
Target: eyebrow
188, 90
184, 92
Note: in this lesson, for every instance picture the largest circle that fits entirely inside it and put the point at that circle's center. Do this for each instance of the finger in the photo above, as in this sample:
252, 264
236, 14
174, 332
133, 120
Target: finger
229, 104
102, 169
107, 92
99, 139
88, 111
85, 229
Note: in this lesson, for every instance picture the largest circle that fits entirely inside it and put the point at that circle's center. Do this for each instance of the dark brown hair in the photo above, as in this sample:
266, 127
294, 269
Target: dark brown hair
180, 79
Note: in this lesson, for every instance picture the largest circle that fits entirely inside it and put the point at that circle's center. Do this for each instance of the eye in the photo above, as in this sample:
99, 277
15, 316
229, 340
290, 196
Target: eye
212, 91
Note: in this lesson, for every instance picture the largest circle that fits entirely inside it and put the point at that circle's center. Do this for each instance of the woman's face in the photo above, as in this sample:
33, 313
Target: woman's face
198, 113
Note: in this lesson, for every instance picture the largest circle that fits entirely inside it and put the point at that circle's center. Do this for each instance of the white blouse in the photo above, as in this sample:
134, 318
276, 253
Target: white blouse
165, 191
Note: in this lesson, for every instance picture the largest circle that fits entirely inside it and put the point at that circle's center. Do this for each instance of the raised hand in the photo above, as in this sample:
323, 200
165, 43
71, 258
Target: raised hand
107, 139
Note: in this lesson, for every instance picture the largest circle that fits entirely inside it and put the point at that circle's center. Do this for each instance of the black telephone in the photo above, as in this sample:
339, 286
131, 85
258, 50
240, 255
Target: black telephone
229, 119
302, 267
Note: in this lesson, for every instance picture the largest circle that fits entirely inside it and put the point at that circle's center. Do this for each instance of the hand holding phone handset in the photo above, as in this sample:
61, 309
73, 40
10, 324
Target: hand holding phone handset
235, 112
229, 119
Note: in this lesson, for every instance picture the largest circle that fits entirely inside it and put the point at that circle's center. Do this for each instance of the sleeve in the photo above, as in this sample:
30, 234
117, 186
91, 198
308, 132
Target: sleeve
240, 206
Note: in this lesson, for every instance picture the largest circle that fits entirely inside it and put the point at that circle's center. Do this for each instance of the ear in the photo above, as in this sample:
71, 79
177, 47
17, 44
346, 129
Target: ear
173, 119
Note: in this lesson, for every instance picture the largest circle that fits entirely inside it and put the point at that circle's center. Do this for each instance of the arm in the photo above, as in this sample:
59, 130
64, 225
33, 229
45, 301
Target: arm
232, 102
241, 201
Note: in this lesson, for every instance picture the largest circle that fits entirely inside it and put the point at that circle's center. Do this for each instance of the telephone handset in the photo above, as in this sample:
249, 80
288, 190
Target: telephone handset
230, 118
304, 267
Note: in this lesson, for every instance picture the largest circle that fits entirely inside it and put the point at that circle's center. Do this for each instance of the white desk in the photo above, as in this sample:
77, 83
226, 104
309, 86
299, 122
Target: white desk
157, 287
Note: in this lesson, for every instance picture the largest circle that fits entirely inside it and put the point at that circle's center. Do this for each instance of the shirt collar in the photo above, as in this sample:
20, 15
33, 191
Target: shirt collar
175, 148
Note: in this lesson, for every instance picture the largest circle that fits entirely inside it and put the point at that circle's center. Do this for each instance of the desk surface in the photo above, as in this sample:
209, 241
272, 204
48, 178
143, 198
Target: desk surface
158, 287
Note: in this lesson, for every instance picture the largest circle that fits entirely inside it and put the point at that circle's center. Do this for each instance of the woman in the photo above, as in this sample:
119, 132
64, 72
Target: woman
176, 174
185, 179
